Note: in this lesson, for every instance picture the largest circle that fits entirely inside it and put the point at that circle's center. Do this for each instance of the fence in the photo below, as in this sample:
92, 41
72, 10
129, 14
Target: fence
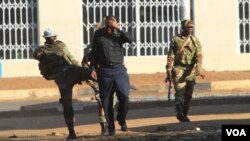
244, 22
18, 29
152, 23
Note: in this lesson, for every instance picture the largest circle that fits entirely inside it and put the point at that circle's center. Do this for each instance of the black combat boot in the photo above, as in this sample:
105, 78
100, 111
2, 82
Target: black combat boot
111, 131
124, 127
185, 112
104, 128
180, 115
72, 134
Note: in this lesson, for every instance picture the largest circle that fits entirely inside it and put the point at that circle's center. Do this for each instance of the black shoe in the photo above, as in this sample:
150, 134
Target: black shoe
71, 136
104, 128
123, 125
112, 133
182, 118
124, 128
186, 118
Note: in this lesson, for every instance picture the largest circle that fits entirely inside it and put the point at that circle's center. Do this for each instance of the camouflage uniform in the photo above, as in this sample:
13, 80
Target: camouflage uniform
184, 56
92, 83
62, 67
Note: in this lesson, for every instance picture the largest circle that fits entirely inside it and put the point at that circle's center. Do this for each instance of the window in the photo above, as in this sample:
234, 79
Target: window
244, 22
152, 23
18, 29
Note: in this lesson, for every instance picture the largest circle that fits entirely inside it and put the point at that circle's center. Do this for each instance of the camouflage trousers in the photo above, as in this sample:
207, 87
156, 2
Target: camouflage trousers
183, 85
94, 85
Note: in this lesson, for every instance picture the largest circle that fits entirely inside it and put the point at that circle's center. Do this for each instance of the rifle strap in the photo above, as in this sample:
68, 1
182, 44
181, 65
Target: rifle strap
182, 47
192, 38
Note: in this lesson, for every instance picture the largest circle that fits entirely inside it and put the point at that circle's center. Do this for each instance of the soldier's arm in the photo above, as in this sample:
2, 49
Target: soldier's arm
69, 56
198, 60
171, 55
198, 56
38, 53
170, 61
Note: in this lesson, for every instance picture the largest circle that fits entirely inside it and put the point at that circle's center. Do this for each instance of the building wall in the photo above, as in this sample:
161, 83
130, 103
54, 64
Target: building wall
65, 17
215, 25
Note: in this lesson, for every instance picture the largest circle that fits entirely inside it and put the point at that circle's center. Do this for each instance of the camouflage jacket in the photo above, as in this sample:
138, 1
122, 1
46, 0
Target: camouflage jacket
184, 52
61, 49
53, 59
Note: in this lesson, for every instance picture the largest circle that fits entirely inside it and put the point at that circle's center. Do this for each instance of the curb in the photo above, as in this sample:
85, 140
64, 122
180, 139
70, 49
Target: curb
27, 93
230, 85
27, 111
86, 93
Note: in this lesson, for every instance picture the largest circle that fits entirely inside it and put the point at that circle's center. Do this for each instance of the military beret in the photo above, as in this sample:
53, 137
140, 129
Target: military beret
187, 22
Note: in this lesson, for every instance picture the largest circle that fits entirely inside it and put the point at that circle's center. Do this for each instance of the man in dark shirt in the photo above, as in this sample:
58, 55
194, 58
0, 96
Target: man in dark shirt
109, 70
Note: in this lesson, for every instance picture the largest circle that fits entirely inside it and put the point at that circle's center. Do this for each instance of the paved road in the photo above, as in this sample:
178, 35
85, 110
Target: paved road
143, 119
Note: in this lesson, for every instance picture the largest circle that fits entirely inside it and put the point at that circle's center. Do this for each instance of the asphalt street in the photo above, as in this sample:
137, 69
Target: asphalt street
143, 118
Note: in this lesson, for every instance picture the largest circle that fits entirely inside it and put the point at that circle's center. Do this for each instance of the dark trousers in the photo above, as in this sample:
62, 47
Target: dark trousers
112, 80
72, 75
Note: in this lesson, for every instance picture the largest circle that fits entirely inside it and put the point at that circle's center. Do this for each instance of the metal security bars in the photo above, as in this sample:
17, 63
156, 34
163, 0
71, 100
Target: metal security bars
152, 23
244, 22
159, 21
18, 29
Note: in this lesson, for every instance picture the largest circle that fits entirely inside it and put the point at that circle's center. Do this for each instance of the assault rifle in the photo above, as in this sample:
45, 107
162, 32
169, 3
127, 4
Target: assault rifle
169, 79
169, 88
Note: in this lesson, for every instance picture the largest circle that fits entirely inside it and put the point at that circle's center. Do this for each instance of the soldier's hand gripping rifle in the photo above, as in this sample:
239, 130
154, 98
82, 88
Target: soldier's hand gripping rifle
198, 71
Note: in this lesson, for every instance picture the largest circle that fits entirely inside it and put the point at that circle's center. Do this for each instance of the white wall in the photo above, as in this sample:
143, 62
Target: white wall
145, 64
65, 17
216, 26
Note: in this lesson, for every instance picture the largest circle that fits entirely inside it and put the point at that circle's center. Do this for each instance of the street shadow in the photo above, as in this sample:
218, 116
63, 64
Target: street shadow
51, 118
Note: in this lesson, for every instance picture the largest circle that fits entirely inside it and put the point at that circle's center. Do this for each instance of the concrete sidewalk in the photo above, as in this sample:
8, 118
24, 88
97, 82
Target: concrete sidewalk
216, 88
35, 99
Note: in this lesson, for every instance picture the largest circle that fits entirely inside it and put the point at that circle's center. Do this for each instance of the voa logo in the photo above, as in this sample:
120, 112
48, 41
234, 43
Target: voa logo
236, 132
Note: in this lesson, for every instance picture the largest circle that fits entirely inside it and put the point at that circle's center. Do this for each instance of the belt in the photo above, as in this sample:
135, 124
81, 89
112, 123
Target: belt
111, 66
183, 65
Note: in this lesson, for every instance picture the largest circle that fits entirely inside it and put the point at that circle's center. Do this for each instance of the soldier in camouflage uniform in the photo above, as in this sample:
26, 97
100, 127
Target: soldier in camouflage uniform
94, 85
57, 63
184, 62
